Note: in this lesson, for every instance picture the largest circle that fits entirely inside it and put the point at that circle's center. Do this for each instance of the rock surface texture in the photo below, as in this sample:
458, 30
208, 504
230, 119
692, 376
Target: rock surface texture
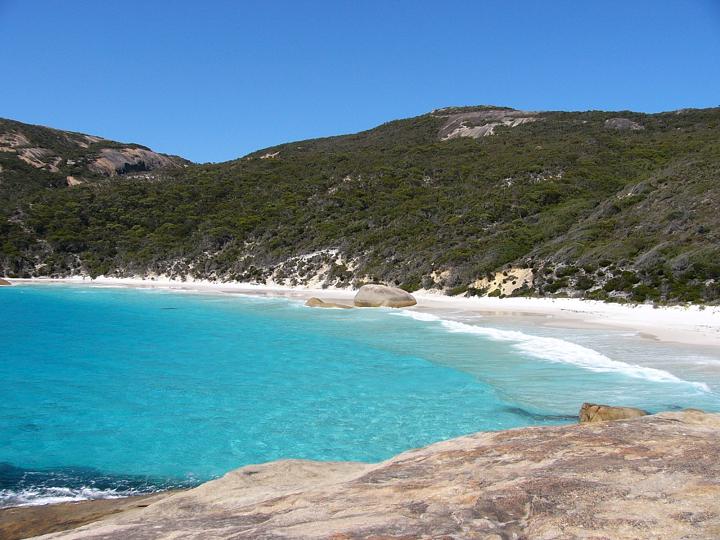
651, 477
383, 296
591, 412
24, 521
316, 302
476, 124
112, 161
622, 124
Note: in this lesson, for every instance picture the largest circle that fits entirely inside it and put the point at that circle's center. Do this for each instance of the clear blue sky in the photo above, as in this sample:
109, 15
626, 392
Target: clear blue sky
213, 80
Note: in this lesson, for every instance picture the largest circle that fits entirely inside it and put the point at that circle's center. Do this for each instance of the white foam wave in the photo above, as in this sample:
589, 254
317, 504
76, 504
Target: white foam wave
418, 315
54, 495
557, 350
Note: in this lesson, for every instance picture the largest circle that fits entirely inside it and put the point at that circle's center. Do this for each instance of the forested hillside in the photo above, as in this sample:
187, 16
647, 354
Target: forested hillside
475, 200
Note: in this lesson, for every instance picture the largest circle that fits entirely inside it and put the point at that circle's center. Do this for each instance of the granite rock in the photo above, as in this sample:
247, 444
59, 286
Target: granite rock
591, 412
316, 302
383, 296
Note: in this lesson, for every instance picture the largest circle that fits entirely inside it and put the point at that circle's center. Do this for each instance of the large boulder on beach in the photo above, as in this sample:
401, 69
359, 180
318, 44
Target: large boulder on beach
4, 282
592, 412
383, 296
316, 302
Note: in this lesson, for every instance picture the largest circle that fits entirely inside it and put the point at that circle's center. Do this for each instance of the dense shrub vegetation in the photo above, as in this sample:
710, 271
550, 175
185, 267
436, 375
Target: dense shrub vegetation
598, 212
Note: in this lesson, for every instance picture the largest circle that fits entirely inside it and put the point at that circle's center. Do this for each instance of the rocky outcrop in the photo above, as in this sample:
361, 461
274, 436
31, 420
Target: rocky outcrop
114, 161
482, 123
73, 156
316, 302
383, 296
622, 124
4, 282
591, 412
651, 477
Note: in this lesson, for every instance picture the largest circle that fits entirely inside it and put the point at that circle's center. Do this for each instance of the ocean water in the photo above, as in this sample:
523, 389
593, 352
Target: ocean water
106, 392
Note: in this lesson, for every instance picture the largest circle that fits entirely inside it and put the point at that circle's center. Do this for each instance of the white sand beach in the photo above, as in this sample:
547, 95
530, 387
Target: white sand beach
689, 325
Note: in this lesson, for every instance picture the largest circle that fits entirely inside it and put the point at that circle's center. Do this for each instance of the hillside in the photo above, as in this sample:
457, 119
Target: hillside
473, 200
34, 157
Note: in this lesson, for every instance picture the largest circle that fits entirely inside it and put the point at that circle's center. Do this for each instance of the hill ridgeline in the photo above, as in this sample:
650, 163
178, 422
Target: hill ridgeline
472, 200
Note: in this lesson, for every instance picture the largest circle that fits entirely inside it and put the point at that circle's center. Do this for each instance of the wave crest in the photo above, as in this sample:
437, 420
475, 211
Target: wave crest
557, 350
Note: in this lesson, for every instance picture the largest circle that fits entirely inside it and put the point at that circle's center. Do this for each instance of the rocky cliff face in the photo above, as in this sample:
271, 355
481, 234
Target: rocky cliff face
651, 477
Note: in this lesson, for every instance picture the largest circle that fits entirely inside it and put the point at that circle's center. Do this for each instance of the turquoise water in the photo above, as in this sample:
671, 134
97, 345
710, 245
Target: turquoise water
108, 391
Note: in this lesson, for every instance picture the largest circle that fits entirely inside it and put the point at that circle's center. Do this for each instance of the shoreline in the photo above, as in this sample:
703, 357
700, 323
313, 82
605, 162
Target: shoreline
689, 325
18, 522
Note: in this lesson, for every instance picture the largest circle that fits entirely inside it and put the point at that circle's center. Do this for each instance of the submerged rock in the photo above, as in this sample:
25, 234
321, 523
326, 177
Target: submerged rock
652, 477
4, 282
591, 412
383, 296
316, 302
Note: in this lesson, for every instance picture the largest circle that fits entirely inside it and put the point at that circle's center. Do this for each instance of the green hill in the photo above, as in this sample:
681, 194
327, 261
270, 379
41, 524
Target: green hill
473, 200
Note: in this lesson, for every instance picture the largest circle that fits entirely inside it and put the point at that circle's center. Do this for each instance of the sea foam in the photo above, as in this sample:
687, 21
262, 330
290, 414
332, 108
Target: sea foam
52, 495
556, 350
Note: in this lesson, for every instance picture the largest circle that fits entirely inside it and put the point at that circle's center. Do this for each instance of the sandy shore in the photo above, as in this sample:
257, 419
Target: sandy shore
691, 325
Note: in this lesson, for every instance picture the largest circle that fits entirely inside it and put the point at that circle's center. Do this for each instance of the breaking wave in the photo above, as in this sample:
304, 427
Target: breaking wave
556, 350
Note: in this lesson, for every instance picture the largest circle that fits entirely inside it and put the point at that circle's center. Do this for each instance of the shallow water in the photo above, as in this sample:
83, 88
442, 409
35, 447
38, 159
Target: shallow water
106, 391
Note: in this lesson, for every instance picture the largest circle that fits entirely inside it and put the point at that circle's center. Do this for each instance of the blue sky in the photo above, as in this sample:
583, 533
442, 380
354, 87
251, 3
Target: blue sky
213, 80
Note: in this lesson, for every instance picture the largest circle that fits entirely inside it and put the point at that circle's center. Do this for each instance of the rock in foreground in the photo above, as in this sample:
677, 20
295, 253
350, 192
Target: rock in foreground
591, 412
24, 521
651, 477
383, 296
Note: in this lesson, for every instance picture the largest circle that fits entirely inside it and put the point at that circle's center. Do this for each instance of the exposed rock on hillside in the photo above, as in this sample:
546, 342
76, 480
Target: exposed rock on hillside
653, 477
622, 123
383, 296
477, 124
118, 161
71, 156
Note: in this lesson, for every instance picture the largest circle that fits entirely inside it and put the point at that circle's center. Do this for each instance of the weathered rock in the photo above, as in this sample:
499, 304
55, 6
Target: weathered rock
25, 521
4, 282
383, 296
651, 477
113, 161
316, 302
622, 124
591, 412
482, 123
